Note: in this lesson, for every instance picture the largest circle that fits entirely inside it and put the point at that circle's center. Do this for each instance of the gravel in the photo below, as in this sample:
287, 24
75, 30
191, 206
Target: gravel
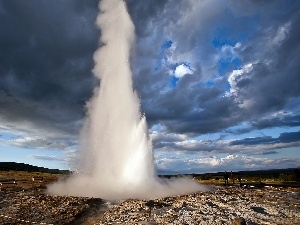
222, 205
230, 205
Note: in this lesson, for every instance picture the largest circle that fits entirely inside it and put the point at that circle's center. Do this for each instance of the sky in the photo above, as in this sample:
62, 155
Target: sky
218, 80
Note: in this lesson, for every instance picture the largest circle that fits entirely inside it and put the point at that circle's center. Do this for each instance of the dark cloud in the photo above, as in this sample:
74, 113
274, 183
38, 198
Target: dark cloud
142, 12
283, 138
270, 153
273, 80
255, 141
193, 108
46, 60
279, 121
216, 117
289, 137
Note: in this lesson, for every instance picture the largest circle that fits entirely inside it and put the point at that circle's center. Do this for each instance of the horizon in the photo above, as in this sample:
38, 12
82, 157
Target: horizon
218, 82
216, 172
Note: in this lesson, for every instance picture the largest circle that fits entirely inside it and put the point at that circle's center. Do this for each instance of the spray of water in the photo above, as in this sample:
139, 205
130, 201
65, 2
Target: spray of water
115, 157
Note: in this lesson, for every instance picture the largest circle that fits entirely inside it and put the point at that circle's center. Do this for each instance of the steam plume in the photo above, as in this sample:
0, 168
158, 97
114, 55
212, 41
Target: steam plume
116, 159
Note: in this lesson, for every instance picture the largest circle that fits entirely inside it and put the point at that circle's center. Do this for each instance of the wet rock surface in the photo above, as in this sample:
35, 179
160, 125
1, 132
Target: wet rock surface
223, 205
230, 205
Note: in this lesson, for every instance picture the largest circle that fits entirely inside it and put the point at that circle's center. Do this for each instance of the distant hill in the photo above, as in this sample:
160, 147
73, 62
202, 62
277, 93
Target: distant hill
272, 173
6, 166
255, 172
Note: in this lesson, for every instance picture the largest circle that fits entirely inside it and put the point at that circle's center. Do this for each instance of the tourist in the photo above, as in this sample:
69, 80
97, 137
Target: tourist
226, 176
240, 180
232, 177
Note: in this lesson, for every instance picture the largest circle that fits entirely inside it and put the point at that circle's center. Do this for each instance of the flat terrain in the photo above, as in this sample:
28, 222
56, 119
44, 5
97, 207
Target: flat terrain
27, 203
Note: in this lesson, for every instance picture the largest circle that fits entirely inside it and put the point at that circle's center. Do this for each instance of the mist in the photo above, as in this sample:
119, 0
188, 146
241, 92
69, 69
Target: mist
115, 158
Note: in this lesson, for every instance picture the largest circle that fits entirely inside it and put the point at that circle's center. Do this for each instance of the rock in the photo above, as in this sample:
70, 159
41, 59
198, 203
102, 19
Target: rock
277, 206
239, 221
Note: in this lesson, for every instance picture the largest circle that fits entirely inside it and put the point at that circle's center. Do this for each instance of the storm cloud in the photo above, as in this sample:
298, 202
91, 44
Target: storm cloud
238, 62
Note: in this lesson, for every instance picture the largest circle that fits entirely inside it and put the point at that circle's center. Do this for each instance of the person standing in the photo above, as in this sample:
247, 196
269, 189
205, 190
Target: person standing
226, 176
240, 181
232, 177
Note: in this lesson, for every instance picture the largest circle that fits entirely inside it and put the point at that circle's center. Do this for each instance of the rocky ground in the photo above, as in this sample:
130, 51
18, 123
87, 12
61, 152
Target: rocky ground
28, 204
37, 208
267, 205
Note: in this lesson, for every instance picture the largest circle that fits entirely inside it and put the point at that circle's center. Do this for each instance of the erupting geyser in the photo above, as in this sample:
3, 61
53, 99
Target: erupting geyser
115, 158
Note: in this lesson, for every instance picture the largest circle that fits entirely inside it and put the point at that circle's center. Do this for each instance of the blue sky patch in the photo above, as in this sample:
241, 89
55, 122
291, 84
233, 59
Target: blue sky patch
173, 81
166, 45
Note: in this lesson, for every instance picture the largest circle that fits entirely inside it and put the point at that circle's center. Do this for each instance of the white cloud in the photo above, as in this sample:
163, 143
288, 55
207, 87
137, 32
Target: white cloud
194, 145
182, 70
199, 163
280, 34
39, 143
188, 24
22, 137
167, 137
229, 52
237, 76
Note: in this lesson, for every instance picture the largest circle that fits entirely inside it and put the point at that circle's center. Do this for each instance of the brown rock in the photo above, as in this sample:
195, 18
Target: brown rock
239, 221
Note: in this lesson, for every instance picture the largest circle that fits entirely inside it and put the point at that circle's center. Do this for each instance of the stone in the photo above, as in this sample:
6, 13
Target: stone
269, 205
239, 221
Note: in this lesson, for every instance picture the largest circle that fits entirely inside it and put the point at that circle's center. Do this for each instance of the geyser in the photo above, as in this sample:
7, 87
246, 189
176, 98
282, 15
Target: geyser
115, 158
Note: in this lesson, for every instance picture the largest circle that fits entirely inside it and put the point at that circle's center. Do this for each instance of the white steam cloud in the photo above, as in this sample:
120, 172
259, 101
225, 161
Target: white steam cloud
115, 157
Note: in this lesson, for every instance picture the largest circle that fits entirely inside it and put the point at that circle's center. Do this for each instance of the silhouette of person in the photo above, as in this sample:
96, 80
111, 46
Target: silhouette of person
232, 177
226, 176
240, 181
